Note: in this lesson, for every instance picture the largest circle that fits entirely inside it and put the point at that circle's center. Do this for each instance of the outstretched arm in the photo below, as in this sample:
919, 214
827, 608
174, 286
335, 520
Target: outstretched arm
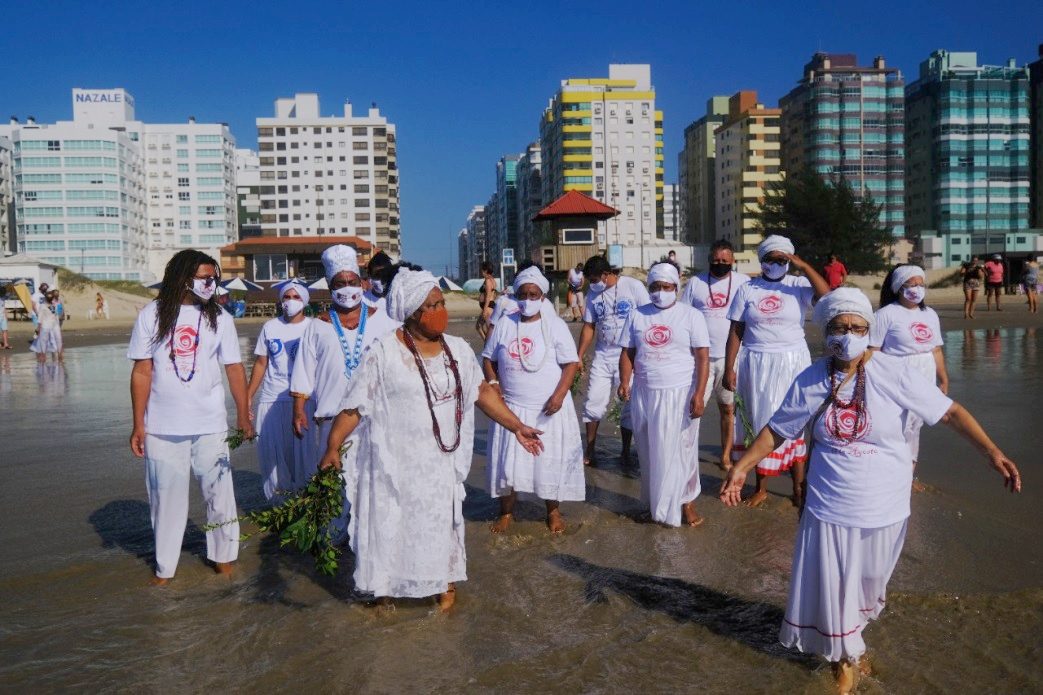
963, 422
765, 443
491, 403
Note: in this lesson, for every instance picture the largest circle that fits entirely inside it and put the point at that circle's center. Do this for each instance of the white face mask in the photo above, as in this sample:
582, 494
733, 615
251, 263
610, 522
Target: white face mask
377, 287
914, 294
203, 289
529, 307
774, 271
347, 297
292, 307
848, 346
598, 286
663, 299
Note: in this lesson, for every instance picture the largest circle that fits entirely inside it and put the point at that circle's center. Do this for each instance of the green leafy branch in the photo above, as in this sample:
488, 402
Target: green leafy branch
237, 437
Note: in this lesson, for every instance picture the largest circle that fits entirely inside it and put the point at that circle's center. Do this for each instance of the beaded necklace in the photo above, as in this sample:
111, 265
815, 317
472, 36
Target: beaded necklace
857, 403
352, 357
195, 352
458, 392
713, 304
545, 331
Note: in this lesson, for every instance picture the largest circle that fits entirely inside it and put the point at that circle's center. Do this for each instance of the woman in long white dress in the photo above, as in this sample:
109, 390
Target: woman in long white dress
531, 357
416, 388
49, 338
853, 402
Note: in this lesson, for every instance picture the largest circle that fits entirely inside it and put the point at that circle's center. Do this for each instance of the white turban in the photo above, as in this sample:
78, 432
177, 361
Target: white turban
409, 289
843, 300
337, 259
664, 272
294, 284
905, 273
531, 275
775, 242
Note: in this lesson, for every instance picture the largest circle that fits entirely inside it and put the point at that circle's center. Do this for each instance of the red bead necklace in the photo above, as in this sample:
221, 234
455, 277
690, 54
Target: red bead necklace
428, 390
857, 403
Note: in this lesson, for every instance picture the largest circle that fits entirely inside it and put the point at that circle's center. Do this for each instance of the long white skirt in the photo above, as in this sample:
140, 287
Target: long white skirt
925, 364
556, 474
49, 340
279, 451
668, 447
838, 584
764, 379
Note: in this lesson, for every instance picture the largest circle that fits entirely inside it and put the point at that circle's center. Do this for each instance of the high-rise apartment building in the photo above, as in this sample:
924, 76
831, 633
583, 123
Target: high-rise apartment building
248, 192
463, 256
697, 197
490, 245
847, 120
501, 227
670, 209
7, 238
747, 164
1036, 119
967, 160
604, 137
530, 202
476, 240
329, 175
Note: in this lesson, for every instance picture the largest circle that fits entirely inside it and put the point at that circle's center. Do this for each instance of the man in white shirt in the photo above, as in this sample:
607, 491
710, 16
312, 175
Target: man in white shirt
712, 293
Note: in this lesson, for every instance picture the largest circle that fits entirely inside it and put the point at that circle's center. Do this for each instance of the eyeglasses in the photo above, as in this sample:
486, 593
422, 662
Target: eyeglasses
843, 330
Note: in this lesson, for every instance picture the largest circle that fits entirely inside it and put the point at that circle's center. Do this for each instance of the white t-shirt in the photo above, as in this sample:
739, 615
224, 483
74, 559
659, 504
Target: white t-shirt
900, 331
370, 299
503, 306
197, 406
664, 339
279, 342
513, 341
714, 307
319, 368
862, 482
575, 278
608, 310
773, 313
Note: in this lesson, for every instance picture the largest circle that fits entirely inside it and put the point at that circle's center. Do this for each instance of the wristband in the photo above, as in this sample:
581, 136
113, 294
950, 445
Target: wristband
493, 382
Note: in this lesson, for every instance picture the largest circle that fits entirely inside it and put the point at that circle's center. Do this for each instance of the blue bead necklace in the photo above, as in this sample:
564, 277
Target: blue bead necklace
352, 357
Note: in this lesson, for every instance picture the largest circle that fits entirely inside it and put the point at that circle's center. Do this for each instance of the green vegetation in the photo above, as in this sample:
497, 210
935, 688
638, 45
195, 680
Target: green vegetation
68, 281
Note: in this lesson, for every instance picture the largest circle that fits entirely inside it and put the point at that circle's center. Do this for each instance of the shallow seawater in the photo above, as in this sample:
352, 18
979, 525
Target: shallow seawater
612, 606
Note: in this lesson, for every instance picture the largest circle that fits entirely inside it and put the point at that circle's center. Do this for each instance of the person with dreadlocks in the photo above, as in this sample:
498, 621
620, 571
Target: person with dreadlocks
179, 344
376, 270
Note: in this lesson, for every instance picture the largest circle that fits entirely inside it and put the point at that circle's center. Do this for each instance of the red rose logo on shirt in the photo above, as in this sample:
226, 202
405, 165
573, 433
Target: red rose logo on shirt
184, 342
525, 349
922, 333
657, 336
771, 304
841, 425
718, 299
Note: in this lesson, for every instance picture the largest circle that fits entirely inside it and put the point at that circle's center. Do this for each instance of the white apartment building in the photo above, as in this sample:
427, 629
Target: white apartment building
671, 207
248, 192
329, 175
6, 196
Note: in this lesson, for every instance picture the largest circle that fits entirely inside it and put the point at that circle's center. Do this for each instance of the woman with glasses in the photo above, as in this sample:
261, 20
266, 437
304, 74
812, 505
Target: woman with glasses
179, 345
854, 404
767, 318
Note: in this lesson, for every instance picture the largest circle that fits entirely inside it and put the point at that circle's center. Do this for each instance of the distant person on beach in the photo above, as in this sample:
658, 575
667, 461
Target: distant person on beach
416, 389
4, 344
48, 340
179, 345
854, 519
766, 350
972, 273
1030, 283
611, 299
101, 307
486, 299
575, 292
279, 453
835, 272
665, 356
904, 326
994, 272
531, 359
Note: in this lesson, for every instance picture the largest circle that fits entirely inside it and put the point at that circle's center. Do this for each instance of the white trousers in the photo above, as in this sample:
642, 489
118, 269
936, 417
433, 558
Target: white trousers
168, 462
602, 386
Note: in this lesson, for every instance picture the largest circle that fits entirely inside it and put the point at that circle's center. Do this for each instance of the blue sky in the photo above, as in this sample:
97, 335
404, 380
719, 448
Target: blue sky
464, 83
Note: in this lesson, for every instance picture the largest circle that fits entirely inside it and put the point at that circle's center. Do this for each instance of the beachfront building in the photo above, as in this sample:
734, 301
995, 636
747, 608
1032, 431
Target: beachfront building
501, 222
697, 195
967, 160
847, 120
330, 176
670, 208
604, 137
7, 239
476, 240
747, 164
1036, 119
463, 256
248, 192
530, 202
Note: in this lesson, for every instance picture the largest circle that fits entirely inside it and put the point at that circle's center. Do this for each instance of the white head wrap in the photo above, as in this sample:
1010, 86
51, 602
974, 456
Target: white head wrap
531, 275
337, 259
297, 285
775, 242
905, 273
664, 272
409, 289
843, 300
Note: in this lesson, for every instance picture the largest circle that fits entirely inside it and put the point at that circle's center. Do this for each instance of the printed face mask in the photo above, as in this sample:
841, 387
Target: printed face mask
292, 307
434, 322
203, 288
914, 294
347, 297
774, 271
598, 286
663, 299
848, 346
377, 286
530, 307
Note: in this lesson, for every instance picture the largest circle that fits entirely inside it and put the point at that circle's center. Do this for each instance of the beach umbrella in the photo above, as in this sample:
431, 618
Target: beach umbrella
242, 285
319, 284
448, 285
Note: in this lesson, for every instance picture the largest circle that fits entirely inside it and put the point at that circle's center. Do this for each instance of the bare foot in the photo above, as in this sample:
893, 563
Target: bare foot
865, 666
690, 516
590, 460
383, 605
918, 486
224, 568
555, 523
846, 676
502, 523
757, 498
158, 581
447, 599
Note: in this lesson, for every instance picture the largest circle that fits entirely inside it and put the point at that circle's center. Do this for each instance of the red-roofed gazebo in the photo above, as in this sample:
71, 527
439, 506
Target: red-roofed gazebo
571, 230
575, 204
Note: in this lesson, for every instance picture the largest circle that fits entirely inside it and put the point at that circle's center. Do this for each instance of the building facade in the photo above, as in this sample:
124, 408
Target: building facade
1036, 119
967, 160
8, 240
329, 175
248, 192
847, 120
748, 163
463, 256
501, 226
530, 202
476, 240
697, 194
670, 210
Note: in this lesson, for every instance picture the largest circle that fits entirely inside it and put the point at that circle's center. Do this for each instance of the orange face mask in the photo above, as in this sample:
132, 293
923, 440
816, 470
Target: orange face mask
434, 322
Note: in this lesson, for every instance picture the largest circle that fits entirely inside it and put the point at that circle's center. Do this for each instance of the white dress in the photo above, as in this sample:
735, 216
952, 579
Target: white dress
407, 525
50, 336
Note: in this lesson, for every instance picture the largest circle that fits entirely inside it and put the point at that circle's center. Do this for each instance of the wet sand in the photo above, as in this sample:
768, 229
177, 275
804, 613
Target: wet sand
613, 606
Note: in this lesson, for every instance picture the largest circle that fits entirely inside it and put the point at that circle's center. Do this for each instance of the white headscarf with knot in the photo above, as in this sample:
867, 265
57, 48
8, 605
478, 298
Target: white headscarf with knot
775, 242
409, 289
664, 272
905, 273
297, 285
531, 275
337, 259
843, 300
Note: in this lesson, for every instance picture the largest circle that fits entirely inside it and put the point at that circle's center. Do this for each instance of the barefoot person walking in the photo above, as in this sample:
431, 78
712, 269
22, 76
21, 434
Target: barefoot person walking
854, 403
531, 358
416, 388
179, 345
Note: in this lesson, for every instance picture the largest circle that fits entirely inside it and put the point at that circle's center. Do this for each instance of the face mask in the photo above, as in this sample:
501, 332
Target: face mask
203, 289
347, 297
434, 322
377, 286
719, 270
848, 346
530, 307
663, 299
774, 271
914, 294
598, 286
292, 307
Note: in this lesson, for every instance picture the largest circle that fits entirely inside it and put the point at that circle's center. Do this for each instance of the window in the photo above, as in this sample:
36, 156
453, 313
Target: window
182, 182
360, 160
359, 130
577, 236
206, 139
184, 224
184, 195
182, 139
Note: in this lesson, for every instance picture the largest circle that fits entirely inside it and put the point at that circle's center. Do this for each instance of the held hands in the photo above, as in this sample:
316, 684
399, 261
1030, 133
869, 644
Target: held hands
331, 459
697, 406
623, 392
245, 422
731, 488
1006, 468
529, 438
137, 442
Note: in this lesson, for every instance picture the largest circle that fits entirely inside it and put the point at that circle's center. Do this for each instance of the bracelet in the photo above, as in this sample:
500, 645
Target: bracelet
493, 382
